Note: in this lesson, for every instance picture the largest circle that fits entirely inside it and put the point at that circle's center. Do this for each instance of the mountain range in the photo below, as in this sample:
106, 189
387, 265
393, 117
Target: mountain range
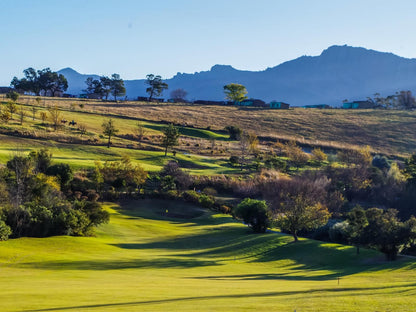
338, 73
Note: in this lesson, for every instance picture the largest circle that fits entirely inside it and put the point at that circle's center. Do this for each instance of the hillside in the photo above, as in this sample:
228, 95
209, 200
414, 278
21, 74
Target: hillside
144, 260
340, 72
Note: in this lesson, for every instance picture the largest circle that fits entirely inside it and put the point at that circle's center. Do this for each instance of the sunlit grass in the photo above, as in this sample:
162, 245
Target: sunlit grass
145, 259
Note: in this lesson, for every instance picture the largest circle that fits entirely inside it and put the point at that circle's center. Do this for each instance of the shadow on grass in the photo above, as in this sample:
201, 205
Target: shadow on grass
116, 264
367, 291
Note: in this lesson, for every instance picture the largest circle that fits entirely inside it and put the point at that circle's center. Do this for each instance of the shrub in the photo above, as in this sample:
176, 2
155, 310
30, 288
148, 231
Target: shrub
191, 196
234, 160
276, 163
209, 191
5, 231
254, 213
206, 201
234, 131
318, 155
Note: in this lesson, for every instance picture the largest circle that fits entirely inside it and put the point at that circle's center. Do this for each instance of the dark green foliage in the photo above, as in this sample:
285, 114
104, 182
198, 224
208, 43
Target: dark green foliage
206, 201
42, 80
12, 95
41, 159
381, 230
63, 172
254, 213
357, 221
191, 196
234, 132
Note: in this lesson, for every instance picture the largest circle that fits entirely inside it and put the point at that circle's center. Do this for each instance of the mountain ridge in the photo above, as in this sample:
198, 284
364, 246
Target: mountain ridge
338, 73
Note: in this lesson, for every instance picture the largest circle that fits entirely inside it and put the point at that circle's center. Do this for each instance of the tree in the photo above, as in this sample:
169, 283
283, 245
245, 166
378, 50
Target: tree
12, 95
55, 83
156, 85
55, 116
41, 159
106, 85
43, 116
357, 221
298, 204
235, 92
178, 95
385, 232
170, 137
181, 179
117, 86
41, 80
12, 108
21, 114
109, 130
254, 213
140, 130
94, 87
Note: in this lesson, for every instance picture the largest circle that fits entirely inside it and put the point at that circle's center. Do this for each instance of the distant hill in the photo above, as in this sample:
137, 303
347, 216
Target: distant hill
340, 72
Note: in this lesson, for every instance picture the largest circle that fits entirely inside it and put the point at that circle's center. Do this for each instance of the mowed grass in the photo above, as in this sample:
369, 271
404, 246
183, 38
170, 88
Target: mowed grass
80, 156
167, 256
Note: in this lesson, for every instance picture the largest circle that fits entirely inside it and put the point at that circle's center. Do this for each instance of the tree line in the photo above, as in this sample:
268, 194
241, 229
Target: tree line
40, 82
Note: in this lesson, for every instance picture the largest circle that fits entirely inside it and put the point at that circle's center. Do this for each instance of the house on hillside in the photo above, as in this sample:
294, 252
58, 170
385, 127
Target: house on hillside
251, 102
358, 105
320, 106
204, 102
279, 105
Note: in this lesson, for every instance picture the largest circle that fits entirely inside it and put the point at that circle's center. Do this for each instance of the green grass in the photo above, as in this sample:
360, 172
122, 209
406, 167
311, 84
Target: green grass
147, 260
80, 156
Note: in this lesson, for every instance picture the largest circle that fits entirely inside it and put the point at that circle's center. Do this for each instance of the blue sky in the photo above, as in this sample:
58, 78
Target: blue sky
135, 38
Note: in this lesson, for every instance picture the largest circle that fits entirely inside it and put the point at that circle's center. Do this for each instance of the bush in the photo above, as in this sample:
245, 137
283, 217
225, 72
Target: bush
206, 201
254, 213
234, 131
209, 191
276, 163
191, 196
5, 231
234, 160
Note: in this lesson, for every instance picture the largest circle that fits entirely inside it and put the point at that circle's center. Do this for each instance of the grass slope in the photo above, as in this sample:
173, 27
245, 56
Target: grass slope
148, 259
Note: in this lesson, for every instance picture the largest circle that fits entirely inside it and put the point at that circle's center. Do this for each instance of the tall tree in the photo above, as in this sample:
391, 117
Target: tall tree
94, 87
235, 92
106, 86
117, 86
170, 137
109, 130
156, 85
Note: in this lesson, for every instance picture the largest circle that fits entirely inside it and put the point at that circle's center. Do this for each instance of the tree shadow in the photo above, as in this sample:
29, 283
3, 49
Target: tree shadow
116, 264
